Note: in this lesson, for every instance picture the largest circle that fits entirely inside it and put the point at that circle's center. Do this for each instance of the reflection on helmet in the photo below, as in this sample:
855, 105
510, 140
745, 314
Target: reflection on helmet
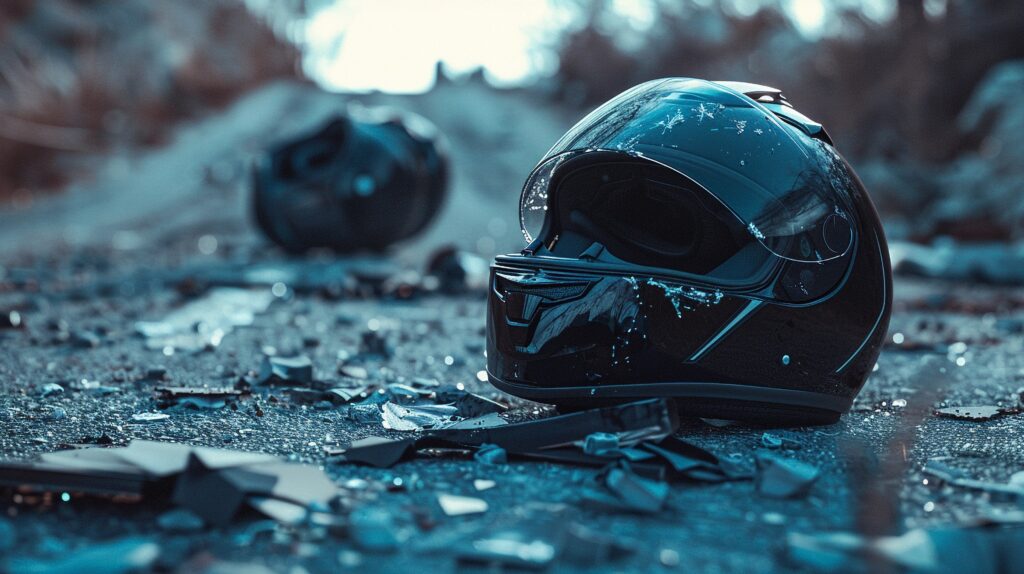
695, 239
363, 181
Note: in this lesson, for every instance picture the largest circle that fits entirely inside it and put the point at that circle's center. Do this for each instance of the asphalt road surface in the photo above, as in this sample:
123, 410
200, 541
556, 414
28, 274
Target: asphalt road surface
125, 245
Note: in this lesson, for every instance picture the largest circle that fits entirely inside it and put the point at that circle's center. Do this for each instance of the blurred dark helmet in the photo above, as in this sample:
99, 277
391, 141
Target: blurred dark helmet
363, 181
699, 240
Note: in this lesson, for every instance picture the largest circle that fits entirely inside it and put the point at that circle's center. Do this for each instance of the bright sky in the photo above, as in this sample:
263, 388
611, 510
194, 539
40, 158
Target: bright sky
394, 45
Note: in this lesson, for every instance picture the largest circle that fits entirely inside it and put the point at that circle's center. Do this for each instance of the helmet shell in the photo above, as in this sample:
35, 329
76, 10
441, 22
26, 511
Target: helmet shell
774, 309
364, 180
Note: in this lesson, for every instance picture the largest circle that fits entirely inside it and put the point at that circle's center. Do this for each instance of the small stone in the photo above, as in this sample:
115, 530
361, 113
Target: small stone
51, 389
85, 340
668, 557
11, 320
58, 413
482, 484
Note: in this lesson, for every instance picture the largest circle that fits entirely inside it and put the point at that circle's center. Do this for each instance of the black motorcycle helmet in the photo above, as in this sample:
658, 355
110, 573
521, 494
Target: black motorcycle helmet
363, 181
698, 240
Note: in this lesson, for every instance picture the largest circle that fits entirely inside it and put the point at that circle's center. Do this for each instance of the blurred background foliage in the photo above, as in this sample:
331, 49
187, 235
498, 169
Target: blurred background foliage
920, 94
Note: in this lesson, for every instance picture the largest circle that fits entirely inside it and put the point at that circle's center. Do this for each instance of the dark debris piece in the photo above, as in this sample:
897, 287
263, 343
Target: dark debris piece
291, 370
562, 439
626, 491
469, 404
345, 395
214, 484
690, 462
378, 451
527, 439
564, 430
458, 271
779, 477
196, 397
374, 344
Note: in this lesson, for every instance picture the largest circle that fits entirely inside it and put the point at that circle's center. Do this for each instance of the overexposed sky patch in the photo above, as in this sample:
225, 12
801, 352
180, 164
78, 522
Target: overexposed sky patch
394, 45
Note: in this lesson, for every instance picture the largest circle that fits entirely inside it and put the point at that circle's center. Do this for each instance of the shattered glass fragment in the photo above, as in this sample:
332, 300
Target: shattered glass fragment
489, 420
416, 417
779, 477
296, 370
344, 395
368, 413
1009, 492
454, 505
150, 417
512, 547
482, 484
51, 389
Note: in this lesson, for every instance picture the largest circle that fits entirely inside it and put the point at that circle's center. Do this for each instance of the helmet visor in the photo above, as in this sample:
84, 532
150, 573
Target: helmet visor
792, 193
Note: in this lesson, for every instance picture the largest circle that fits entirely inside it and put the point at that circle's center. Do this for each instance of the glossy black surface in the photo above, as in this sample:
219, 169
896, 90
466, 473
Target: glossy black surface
580, 309
358, 183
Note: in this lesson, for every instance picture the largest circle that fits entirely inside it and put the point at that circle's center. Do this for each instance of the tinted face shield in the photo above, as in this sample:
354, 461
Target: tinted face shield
728, 158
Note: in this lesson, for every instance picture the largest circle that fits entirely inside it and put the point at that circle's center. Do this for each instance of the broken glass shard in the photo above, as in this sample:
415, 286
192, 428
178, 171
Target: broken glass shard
454, 505
779, 477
